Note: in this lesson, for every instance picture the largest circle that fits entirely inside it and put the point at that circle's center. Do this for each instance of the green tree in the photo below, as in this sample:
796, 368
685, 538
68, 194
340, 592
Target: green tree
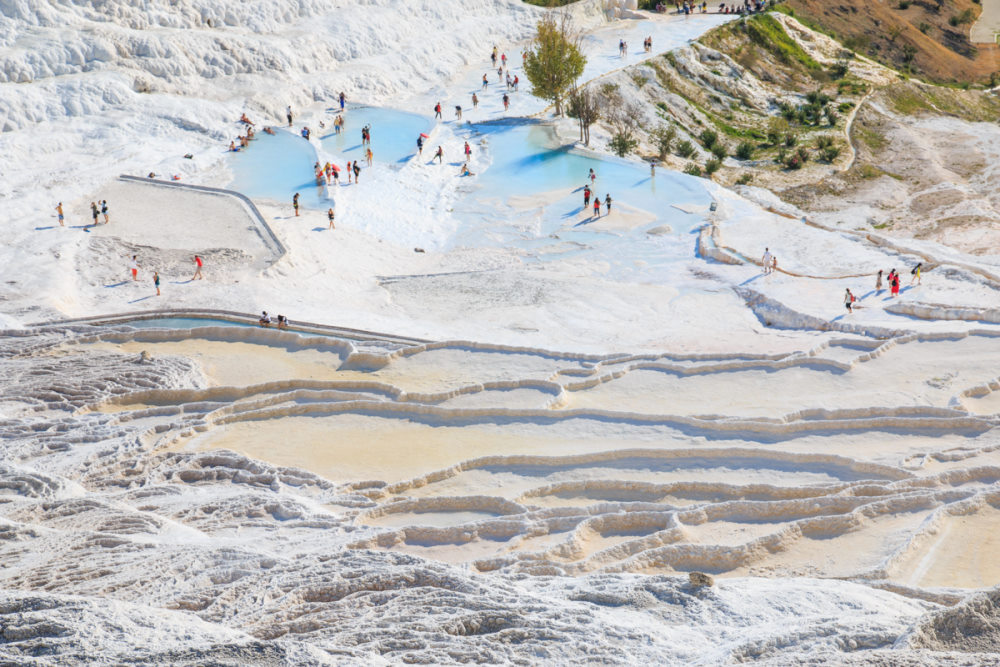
663, 137
622, 144
553, 61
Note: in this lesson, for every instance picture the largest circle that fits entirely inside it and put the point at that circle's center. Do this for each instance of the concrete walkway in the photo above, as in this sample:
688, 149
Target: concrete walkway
985, 29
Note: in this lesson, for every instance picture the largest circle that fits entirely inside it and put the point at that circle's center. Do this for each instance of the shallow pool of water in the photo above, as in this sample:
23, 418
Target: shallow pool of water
183, 323
276, 167
529, 160
196, 322
393, 135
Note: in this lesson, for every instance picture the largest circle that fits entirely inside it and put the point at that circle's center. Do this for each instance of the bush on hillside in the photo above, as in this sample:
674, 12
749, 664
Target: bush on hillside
663, 139
622, 144
745, 150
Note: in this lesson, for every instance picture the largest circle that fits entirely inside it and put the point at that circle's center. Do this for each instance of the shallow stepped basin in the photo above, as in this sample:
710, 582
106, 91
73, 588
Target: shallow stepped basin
276, 167
393, 136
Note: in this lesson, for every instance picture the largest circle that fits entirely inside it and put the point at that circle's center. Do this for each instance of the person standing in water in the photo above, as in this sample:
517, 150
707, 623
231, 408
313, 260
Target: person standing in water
597, 207
343, 100
485, 82
288, 114
197, 268
156, 281
357, 173
592, 176
468, 151
420, 145
506, 101
104, 210
439, 155
607, 204
475, 101
133, 266
458, 112
586, 197
369, 155
59, 210
295, 204
330, 216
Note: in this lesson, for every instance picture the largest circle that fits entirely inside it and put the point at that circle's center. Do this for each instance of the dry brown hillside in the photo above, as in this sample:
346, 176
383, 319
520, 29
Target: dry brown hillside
929, 38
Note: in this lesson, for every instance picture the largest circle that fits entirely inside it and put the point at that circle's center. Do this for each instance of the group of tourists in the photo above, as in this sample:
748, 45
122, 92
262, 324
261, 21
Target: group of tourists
688, 7
892, 280
588, 192
266, 321
503, 75
97, 208
134, 266
748, 7
245, 139
769, 263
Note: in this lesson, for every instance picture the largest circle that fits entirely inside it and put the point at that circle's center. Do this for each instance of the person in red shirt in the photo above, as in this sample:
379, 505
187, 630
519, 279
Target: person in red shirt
197, 270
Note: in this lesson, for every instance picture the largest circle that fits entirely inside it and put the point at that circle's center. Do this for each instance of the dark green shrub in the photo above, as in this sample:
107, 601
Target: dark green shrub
745, 150
685, 149
622, 144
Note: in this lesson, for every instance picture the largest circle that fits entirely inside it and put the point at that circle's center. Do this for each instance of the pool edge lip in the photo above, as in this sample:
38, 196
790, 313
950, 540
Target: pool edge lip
235, 317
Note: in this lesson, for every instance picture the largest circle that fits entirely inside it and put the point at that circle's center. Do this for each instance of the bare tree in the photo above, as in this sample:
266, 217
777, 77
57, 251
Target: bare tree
585, 106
